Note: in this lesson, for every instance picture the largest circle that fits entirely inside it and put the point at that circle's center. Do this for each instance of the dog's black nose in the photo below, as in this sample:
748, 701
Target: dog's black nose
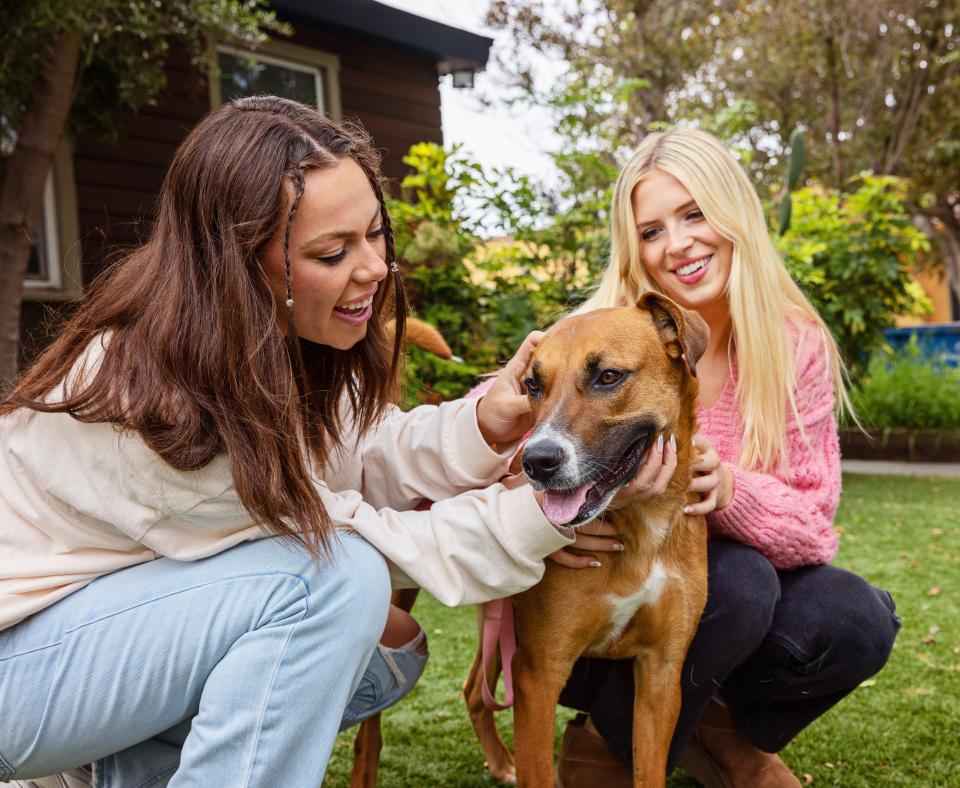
542, 460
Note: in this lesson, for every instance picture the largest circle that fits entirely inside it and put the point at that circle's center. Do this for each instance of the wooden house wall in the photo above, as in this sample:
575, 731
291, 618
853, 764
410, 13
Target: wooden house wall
393, 93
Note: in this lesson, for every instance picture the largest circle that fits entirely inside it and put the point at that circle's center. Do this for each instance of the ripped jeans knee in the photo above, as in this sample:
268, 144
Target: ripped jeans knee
391, 674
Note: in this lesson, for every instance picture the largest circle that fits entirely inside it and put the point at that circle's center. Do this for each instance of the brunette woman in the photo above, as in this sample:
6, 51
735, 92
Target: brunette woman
200, 478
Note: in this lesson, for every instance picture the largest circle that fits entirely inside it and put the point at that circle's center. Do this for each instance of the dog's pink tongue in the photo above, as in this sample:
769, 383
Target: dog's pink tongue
561, 507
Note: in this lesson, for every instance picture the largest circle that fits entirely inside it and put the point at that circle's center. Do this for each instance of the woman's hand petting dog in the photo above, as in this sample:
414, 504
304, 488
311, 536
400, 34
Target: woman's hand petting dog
713, 481
712, 478
503, 413
653, 477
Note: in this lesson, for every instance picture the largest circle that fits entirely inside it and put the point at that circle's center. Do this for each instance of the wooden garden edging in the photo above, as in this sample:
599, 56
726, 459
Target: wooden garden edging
900, 444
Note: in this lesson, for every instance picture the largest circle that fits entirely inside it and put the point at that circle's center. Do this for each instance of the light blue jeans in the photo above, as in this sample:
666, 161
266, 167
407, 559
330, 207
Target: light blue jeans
235, 670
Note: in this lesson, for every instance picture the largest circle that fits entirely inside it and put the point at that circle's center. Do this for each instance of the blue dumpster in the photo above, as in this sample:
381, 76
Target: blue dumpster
939, 341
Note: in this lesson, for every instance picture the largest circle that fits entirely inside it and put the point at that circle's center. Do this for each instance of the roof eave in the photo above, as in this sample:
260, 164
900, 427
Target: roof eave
450, 47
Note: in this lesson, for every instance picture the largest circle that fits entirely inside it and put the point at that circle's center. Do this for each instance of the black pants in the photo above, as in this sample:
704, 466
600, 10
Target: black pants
782, 647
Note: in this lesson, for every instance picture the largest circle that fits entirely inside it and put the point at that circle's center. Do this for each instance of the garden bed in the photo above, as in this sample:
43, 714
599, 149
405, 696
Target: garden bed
900, 444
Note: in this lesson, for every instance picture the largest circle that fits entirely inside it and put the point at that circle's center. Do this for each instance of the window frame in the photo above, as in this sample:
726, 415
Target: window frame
326, 68
50, 251
61, 229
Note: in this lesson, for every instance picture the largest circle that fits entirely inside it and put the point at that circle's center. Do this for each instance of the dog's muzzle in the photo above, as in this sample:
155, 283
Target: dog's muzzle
577, 486
542, 460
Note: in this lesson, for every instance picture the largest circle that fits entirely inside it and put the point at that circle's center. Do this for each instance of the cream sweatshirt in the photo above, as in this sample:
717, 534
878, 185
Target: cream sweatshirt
79, 500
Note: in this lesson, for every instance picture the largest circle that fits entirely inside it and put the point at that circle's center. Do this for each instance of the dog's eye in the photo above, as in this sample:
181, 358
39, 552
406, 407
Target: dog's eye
608, 377
533, 387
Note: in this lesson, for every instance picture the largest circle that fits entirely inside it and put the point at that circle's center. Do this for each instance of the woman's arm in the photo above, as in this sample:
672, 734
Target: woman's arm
106, 494
789, 521
481, 545
431, 452
436, 452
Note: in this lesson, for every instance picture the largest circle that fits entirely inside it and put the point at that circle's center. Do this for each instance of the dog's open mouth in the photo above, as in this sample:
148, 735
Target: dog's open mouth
576, 506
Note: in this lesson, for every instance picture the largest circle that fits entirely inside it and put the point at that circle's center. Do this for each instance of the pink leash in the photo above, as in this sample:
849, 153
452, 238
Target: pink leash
498, 629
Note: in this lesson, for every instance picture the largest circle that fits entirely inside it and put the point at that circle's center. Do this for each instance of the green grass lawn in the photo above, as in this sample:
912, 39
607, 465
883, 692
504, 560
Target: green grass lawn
900, 728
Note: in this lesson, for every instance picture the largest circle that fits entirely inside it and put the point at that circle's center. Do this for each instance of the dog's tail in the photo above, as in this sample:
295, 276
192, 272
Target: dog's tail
425, 336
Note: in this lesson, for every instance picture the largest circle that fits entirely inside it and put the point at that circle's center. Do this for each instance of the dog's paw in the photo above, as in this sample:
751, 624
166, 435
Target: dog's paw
505, 773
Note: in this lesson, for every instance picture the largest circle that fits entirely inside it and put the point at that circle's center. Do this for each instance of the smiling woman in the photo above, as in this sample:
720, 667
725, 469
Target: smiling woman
681, 251
332, 245
206, 492
784, 635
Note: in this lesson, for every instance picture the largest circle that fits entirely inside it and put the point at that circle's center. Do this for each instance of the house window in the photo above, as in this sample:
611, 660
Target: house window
246, 74
277, 68
44, 267
54, 268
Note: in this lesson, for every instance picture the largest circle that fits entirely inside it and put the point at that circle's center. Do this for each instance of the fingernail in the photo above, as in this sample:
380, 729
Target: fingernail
673, 443
687, 509
617, 546
660, 444
595, 563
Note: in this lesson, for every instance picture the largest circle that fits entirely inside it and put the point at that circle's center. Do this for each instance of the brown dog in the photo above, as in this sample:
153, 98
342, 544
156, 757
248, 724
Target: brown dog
603, 387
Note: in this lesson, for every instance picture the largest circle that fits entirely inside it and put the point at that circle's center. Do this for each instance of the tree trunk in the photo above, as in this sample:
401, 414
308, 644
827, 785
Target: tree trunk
21, 188
900, 137
835, 129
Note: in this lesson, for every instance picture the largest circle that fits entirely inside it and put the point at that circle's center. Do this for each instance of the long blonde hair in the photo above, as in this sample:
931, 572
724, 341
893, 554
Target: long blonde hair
760, 292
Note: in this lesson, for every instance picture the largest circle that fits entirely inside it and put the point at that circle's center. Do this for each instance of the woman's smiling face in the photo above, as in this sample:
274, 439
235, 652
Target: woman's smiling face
680, 250
337, 253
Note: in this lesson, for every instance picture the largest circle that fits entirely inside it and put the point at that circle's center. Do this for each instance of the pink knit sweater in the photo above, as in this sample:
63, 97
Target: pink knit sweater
787, 515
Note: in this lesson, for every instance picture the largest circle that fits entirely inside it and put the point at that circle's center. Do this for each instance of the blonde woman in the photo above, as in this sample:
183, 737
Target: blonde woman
784, 635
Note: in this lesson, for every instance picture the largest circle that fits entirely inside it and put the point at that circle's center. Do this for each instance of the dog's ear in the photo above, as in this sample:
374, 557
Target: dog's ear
683, 332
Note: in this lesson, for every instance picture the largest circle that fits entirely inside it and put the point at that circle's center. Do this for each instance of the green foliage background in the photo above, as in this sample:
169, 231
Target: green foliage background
909, 390
484, 293
851, 252
852, 255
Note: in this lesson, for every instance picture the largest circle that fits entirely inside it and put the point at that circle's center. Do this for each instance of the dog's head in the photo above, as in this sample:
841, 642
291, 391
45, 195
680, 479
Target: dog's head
603, 386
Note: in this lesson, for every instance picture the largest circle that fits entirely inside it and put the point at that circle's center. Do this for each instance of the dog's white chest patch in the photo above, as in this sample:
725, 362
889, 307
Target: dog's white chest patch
659, 528
624, 607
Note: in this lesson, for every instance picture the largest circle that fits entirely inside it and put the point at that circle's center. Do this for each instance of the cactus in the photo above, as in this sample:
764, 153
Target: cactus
794, 168
785, 212
797, 158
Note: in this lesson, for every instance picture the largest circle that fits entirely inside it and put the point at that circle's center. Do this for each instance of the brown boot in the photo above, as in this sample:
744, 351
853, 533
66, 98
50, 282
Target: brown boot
718, 755
587, 759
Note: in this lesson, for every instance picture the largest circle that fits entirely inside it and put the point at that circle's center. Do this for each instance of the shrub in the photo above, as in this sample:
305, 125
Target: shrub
483, 295
909, 390
432, 380
852, 255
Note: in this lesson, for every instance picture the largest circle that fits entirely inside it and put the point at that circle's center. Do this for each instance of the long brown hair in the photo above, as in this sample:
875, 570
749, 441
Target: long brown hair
196, 359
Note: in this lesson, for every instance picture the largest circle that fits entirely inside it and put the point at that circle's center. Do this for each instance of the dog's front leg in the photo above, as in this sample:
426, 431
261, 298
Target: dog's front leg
538, 686
656, 706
